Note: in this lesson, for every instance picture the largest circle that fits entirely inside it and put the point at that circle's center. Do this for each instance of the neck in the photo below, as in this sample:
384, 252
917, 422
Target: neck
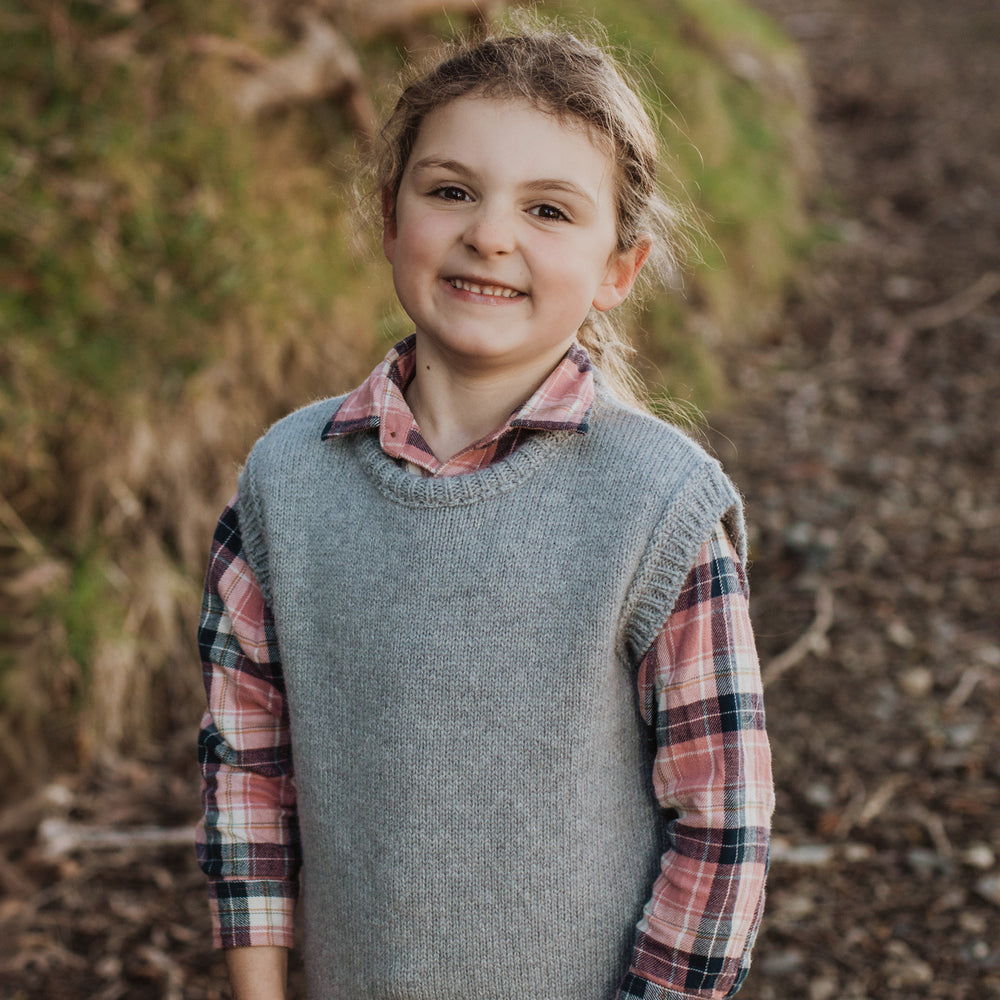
455, 405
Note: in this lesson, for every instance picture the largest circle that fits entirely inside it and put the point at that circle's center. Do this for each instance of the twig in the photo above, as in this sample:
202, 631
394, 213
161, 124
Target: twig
323, 66
936, 831
955, 308
817, 855
880, 798
60, 838
18, 530
809, 855
162, 962
14, 881
24, 815
239, 54
967, 683
397, 15
812, 640
854, 808
938, 315
863, 809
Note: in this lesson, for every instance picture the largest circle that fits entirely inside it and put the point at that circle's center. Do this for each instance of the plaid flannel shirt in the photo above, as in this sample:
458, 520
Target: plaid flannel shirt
698, 689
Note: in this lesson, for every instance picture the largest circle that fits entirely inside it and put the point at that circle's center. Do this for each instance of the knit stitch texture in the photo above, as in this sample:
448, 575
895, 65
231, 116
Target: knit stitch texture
443, 846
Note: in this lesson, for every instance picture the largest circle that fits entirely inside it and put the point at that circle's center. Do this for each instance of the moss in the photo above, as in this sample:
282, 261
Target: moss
733, 101
86, 608
172, 277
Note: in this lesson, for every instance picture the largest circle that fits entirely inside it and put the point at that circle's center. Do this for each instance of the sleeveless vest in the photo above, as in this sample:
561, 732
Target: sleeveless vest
472, 773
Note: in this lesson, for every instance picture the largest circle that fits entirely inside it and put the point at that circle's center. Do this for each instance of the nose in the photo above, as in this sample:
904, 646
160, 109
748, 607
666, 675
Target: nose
490, 232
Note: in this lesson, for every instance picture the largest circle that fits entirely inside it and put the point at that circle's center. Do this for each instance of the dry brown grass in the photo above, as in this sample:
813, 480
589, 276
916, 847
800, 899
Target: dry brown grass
212, 256
154, 481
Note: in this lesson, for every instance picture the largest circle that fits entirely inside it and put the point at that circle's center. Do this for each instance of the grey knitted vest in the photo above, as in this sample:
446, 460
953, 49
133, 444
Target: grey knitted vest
473, 777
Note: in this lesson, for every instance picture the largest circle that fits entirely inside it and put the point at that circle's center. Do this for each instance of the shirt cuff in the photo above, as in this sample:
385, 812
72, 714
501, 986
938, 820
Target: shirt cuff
636, 988
253, 913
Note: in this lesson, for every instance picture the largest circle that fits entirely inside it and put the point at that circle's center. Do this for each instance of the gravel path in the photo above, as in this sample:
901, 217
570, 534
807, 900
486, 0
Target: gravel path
868, 452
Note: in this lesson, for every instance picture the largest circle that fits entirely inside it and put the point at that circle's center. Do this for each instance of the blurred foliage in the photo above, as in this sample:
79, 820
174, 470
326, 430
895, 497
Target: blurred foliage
139, 216
173, 276
734, 103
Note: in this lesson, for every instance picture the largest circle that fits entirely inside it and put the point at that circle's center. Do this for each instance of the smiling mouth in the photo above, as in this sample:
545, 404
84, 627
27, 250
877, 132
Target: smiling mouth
491, 291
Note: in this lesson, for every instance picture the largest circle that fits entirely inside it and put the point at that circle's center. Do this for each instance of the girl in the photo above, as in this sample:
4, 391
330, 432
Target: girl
496, 615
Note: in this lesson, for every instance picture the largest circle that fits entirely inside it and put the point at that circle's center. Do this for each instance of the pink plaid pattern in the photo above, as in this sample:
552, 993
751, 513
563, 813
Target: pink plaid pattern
248, 842
562, 402
700, 689
699, 692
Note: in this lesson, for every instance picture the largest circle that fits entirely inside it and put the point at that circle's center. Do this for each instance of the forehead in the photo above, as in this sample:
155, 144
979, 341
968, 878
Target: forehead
514, 129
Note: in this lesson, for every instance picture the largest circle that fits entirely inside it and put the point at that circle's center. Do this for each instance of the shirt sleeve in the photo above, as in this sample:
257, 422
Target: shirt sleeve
248, 843
700, 693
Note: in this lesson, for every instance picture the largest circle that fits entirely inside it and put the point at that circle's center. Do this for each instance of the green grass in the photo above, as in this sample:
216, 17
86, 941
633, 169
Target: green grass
730, 93
146, 231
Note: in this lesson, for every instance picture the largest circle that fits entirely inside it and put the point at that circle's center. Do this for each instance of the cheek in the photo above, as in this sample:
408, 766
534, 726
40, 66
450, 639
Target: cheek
576, 274
417, 259
422, 240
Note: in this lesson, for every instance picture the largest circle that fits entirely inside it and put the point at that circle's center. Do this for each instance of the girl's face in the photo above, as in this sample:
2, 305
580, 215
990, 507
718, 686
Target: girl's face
503, 236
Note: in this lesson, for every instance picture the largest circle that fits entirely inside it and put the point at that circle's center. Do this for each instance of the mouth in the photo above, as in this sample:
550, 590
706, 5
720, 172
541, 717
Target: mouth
483, 288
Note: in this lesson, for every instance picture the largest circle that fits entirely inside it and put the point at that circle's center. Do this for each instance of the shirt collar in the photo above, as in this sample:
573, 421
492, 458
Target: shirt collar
561, 403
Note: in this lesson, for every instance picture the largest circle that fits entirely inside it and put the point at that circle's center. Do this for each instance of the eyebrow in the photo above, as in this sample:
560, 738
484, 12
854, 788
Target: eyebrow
541, 185
442, 163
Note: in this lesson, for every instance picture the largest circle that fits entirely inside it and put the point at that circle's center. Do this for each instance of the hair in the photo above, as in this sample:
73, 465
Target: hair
574, 80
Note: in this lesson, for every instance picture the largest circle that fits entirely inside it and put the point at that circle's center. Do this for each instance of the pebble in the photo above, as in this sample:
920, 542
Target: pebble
858, 852
989, 888
905, 968
783, 963
979, 950
901, 634
821, 795
824, 988
791, 908
917, 682
914, 973
979, 856
972, 922
990, 655
925, 861
901, 287
962, 735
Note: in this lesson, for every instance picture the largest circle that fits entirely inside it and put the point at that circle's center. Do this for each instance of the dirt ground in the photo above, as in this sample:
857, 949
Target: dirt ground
869, 458
867, 450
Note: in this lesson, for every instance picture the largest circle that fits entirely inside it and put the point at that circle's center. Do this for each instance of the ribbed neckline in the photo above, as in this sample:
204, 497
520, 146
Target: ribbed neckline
405, 488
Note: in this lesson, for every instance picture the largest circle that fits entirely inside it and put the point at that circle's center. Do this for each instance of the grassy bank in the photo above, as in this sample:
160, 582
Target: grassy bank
174, 275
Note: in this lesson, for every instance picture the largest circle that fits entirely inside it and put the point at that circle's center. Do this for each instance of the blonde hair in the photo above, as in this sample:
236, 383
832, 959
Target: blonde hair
563, 75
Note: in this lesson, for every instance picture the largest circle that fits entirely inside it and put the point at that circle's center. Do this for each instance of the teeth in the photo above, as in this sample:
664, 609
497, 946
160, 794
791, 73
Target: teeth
494, 290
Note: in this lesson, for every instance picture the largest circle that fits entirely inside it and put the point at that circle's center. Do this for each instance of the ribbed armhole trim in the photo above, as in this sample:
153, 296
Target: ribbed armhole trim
706, 498
252, 530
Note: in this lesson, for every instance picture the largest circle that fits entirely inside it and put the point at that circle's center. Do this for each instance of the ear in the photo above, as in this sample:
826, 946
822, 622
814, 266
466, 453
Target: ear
623, 269
388, 224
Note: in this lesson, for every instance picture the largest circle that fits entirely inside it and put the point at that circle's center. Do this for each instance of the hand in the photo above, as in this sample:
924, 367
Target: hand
259, 973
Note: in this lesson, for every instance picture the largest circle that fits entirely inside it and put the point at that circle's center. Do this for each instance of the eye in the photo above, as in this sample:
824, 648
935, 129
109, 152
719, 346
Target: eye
450, 192
549, 212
